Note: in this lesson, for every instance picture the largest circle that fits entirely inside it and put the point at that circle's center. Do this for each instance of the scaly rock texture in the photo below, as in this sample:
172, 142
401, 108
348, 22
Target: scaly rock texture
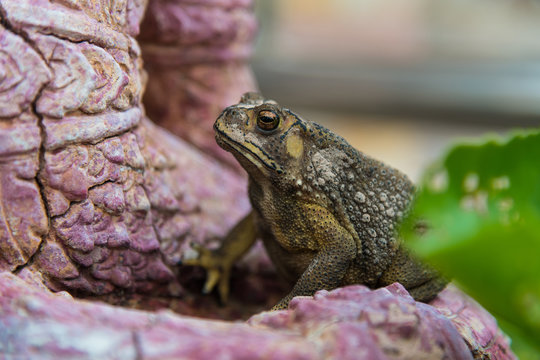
195, 54
93, 196
348, 323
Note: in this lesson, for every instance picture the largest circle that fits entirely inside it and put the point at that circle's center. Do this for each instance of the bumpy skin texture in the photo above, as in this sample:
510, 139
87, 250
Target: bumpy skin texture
327, 213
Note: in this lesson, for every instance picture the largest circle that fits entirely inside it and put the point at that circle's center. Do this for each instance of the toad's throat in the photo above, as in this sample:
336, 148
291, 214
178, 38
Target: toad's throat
250, 151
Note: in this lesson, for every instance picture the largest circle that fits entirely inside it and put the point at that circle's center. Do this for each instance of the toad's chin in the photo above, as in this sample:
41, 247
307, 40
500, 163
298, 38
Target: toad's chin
246, 156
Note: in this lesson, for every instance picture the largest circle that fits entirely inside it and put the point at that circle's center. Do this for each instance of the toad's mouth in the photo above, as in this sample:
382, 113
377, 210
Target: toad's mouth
248, 150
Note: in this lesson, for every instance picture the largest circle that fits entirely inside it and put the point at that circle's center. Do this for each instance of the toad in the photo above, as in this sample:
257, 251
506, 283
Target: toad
326, 213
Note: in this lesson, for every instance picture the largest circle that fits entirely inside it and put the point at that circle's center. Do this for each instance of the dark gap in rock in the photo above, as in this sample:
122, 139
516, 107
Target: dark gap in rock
250, 294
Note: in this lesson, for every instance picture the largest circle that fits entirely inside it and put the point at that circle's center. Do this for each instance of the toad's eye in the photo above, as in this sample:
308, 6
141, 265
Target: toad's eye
267, 120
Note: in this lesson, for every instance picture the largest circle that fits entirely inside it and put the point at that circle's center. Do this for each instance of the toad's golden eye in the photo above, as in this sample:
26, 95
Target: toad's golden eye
267, 120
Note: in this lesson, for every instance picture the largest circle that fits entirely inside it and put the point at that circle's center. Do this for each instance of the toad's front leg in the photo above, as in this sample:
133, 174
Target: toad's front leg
335, 251
219, 262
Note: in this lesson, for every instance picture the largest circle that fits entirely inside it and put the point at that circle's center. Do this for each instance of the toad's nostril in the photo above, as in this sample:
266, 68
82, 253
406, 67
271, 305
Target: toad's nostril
227, 112
235, 113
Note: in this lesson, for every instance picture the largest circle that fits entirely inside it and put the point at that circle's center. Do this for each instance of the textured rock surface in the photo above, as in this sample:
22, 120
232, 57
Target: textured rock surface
92, 195
477, 327
195, 54
347, 323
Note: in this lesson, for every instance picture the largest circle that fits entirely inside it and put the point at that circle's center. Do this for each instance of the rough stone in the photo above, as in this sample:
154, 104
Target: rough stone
195, 54
348, 323
93, 196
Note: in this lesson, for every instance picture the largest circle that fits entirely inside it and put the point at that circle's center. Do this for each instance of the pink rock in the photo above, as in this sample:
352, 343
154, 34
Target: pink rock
478, 328
23, 221
21, 77
87, 185
347, 323
68, 89
72, 20
196, 56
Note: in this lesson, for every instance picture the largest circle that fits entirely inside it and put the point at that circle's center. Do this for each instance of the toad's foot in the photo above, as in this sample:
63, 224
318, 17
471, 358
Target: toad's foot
218, 270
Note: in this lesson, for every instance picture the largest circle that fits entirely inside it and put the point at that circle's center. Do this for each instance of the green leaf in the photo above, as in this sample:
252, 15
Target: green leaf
481, 203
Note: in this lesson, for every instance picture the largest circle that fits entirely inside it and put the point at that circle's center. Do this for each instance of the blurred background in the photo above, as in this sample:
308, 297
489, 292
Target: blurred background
401, 79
